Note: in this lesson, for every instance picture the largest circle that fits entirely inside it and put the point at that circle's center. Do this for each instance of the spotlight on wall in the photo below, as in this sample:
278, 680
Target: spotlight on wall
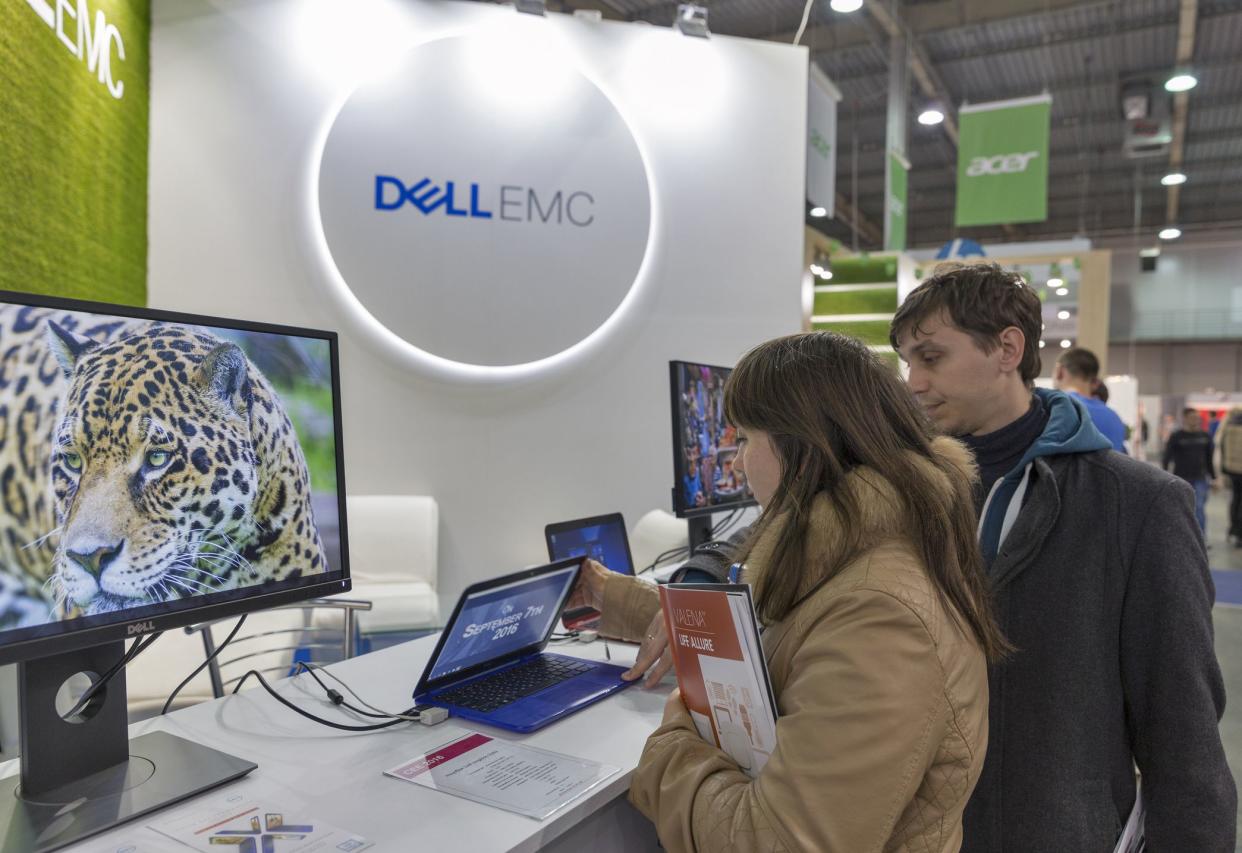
692, 20
846, 5
931, 116
819, 212
1170, 233
531, 7
1181, 81
1173, 179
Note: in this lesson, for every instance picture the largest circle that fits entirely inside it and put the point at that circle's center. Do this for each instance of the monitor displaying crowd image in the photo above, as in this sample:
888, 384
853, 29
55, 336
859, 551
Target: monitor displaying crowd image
704, 442
149, 467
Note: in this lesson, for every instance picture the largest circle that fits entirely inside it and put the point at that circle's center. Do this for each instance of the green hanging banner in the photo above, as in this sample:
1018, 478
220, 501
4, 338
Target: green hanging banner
895, 203
1002, 162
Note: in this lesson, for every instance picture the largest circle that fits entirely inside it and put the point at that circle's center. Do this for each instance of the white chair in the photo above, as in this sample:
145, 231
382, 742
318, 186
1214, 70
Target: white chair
393, 560
656, 533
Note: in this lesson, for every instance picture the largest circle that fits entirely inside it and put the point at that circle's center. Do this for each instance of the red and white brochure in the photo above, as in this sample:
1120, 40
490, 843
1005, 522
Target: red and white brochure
503, 773
714, 638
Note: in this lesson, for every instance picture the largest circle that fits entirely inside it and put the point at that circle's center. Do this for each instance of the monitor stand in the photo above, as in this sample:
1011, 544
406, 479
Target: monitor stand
700, 530
84, 776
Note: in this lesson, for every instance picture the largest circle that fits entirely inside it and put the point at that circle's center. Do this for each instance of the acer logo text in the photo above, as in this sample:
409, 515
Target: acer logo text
1001, 164
139, 628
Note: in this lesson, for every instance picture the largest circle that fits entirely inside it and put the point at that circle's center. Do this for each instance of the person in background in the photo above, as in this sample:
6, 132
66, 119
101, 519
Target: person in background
1189, 450
878, 623
1078, 374
1101, 583
1230, 443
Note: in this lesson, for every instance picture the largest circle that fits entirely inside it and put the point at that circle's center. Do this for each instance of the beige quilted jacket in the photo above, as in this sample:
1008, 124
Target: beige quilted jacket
883, 707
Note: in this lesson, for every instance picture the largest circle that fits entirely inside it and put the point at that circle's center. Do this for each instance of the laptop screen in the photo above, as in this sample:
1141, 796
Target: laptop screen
499, 621
603, 542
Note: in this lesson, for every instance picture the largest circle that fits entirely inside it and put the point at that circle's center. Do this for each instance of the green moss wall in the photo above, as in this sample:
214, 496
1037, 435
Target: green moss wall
73, 179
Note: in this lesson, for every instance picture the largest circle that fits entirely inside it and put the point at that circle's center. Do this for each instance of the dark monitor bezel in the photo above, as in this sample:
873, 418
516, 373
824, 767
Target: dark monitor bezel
427, 685
679, 463
72, 635
593, 521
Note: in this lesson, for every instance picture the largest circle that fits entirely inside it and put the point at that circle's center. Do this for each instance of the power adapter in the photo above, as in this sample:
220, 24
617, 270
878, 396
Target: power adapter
431, 715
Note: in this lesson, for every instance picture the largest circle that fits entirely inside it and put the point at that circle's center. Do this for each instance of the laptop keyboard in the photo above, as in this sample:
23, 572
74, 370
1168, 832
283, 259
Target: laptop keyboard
498, 690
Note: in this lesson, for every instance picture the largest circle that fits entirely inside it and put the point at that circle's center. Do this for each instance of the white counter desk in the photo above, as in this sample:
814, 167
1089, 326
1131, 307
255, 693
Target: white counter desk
337, 777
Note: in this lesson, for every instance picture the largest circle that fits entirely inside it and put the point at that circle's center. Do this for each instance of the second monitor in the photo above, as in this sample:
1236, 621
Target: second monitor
704, 447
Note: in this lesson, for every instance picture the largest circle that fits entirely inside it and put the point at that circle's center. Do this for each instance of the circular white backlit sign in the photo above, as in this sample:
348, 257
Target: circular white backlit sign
485, 203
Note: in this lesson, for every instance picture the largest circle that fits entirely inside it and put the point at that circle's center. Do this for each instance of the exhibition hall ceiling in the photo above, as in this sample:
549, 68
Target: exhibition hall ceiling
986, 50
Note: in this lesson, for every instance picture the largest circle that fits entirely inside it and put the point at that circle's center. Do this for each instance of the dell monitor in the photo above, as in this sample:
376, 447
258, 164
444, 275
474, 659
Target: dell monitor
156, 470
704, 447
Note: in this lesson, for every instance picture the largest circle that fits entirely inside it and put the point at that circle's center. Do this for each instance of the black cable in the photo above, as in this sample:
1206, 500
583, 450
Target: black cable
282, 700
667, 555
337, 699
140, 645
205, 663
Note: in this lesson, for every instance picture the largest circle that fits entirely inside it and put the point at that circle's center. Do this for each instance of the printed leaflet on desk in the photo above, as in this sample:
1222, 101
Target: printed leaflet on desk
721, 670
242, 822
504, 774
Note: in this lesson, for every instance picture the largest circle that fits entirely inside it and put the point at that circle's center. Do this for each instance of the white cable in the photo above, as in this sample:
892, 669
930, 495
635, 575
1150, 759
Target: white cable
806, 16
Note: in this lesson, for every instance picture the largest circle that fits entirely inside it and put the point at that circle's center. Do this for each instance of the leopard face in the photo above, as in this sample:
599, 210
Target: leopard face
156, 473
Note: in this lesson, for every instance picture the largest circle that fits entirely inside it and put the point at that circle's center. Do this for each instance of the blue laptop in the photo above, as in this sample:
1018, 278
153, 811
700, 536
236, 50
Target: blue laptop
489, 665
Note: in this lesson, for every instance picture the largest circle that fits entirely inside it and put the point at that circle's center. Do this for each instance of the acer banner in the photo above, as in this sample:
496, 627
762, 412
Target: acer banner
1002, 162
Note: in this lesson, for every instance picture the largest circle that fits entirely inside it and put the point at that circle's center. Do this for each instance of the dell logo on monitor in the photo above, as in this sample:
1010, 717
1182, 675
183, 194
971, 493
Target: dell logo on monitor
139, 628
511, 204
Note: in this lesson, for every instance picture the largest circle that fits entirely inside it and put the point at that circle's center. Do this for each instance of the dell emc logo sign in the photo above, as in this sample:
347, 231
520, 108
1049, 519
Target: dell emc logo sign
511, 204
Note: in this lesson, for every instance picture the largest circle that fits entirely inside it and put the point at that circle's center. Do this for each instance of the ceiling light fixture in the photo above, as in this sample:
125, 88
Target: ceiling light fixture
1173, 179
819, 212
1041, 344
1063, 315
1066, 344
1170, 233
846, 5
1056, 282
691, 20
931, 117
1181, 81
1062, 291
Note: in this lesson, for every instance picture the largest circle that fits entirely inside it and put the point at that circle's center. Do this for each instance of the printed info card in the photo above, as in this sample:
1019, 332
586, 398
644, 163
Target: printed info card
507, 775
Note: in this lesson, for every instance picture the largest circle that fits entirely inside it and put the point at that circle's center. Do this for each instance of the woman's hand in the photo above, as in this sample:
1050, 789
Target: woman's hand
589, 590
654, 650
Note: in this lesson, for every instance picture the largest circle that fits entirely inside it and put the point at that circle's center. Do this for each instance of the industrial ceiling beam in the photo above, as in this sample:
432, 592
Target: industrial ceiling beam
858, 220
1187, 21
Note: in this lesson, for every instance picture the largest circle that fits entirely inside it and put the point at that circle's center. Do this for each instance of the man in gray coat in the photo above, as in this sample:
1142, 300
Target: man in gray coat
1101, 582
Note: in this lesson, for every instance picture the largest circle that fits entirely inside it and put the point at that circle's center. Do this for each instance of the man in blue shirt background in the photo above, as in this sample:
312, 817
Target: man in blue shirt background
1077, 372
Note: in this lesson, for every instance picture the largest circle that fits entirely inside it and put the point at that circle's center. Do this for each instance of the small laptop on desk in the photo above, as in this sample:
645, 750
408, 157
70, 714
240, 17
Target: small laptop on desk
603, 539
489, 665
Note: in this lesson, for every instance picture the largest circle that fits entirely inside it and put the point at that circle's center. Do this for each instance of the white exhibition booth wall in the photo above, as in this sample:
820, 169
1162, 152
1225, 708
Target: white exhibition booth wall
568, 203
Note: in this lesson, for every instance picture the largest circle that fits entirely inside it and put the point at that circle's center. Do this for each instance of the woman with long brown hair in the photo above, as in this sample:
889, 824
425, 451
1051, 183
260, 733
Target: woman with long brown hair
878, 623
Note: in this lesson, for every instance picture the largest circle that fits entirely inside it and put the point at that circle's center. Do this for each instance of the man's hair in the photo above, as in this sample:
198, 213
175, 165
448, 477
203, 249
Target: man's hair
982, 300
1080, 363
1189, 411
